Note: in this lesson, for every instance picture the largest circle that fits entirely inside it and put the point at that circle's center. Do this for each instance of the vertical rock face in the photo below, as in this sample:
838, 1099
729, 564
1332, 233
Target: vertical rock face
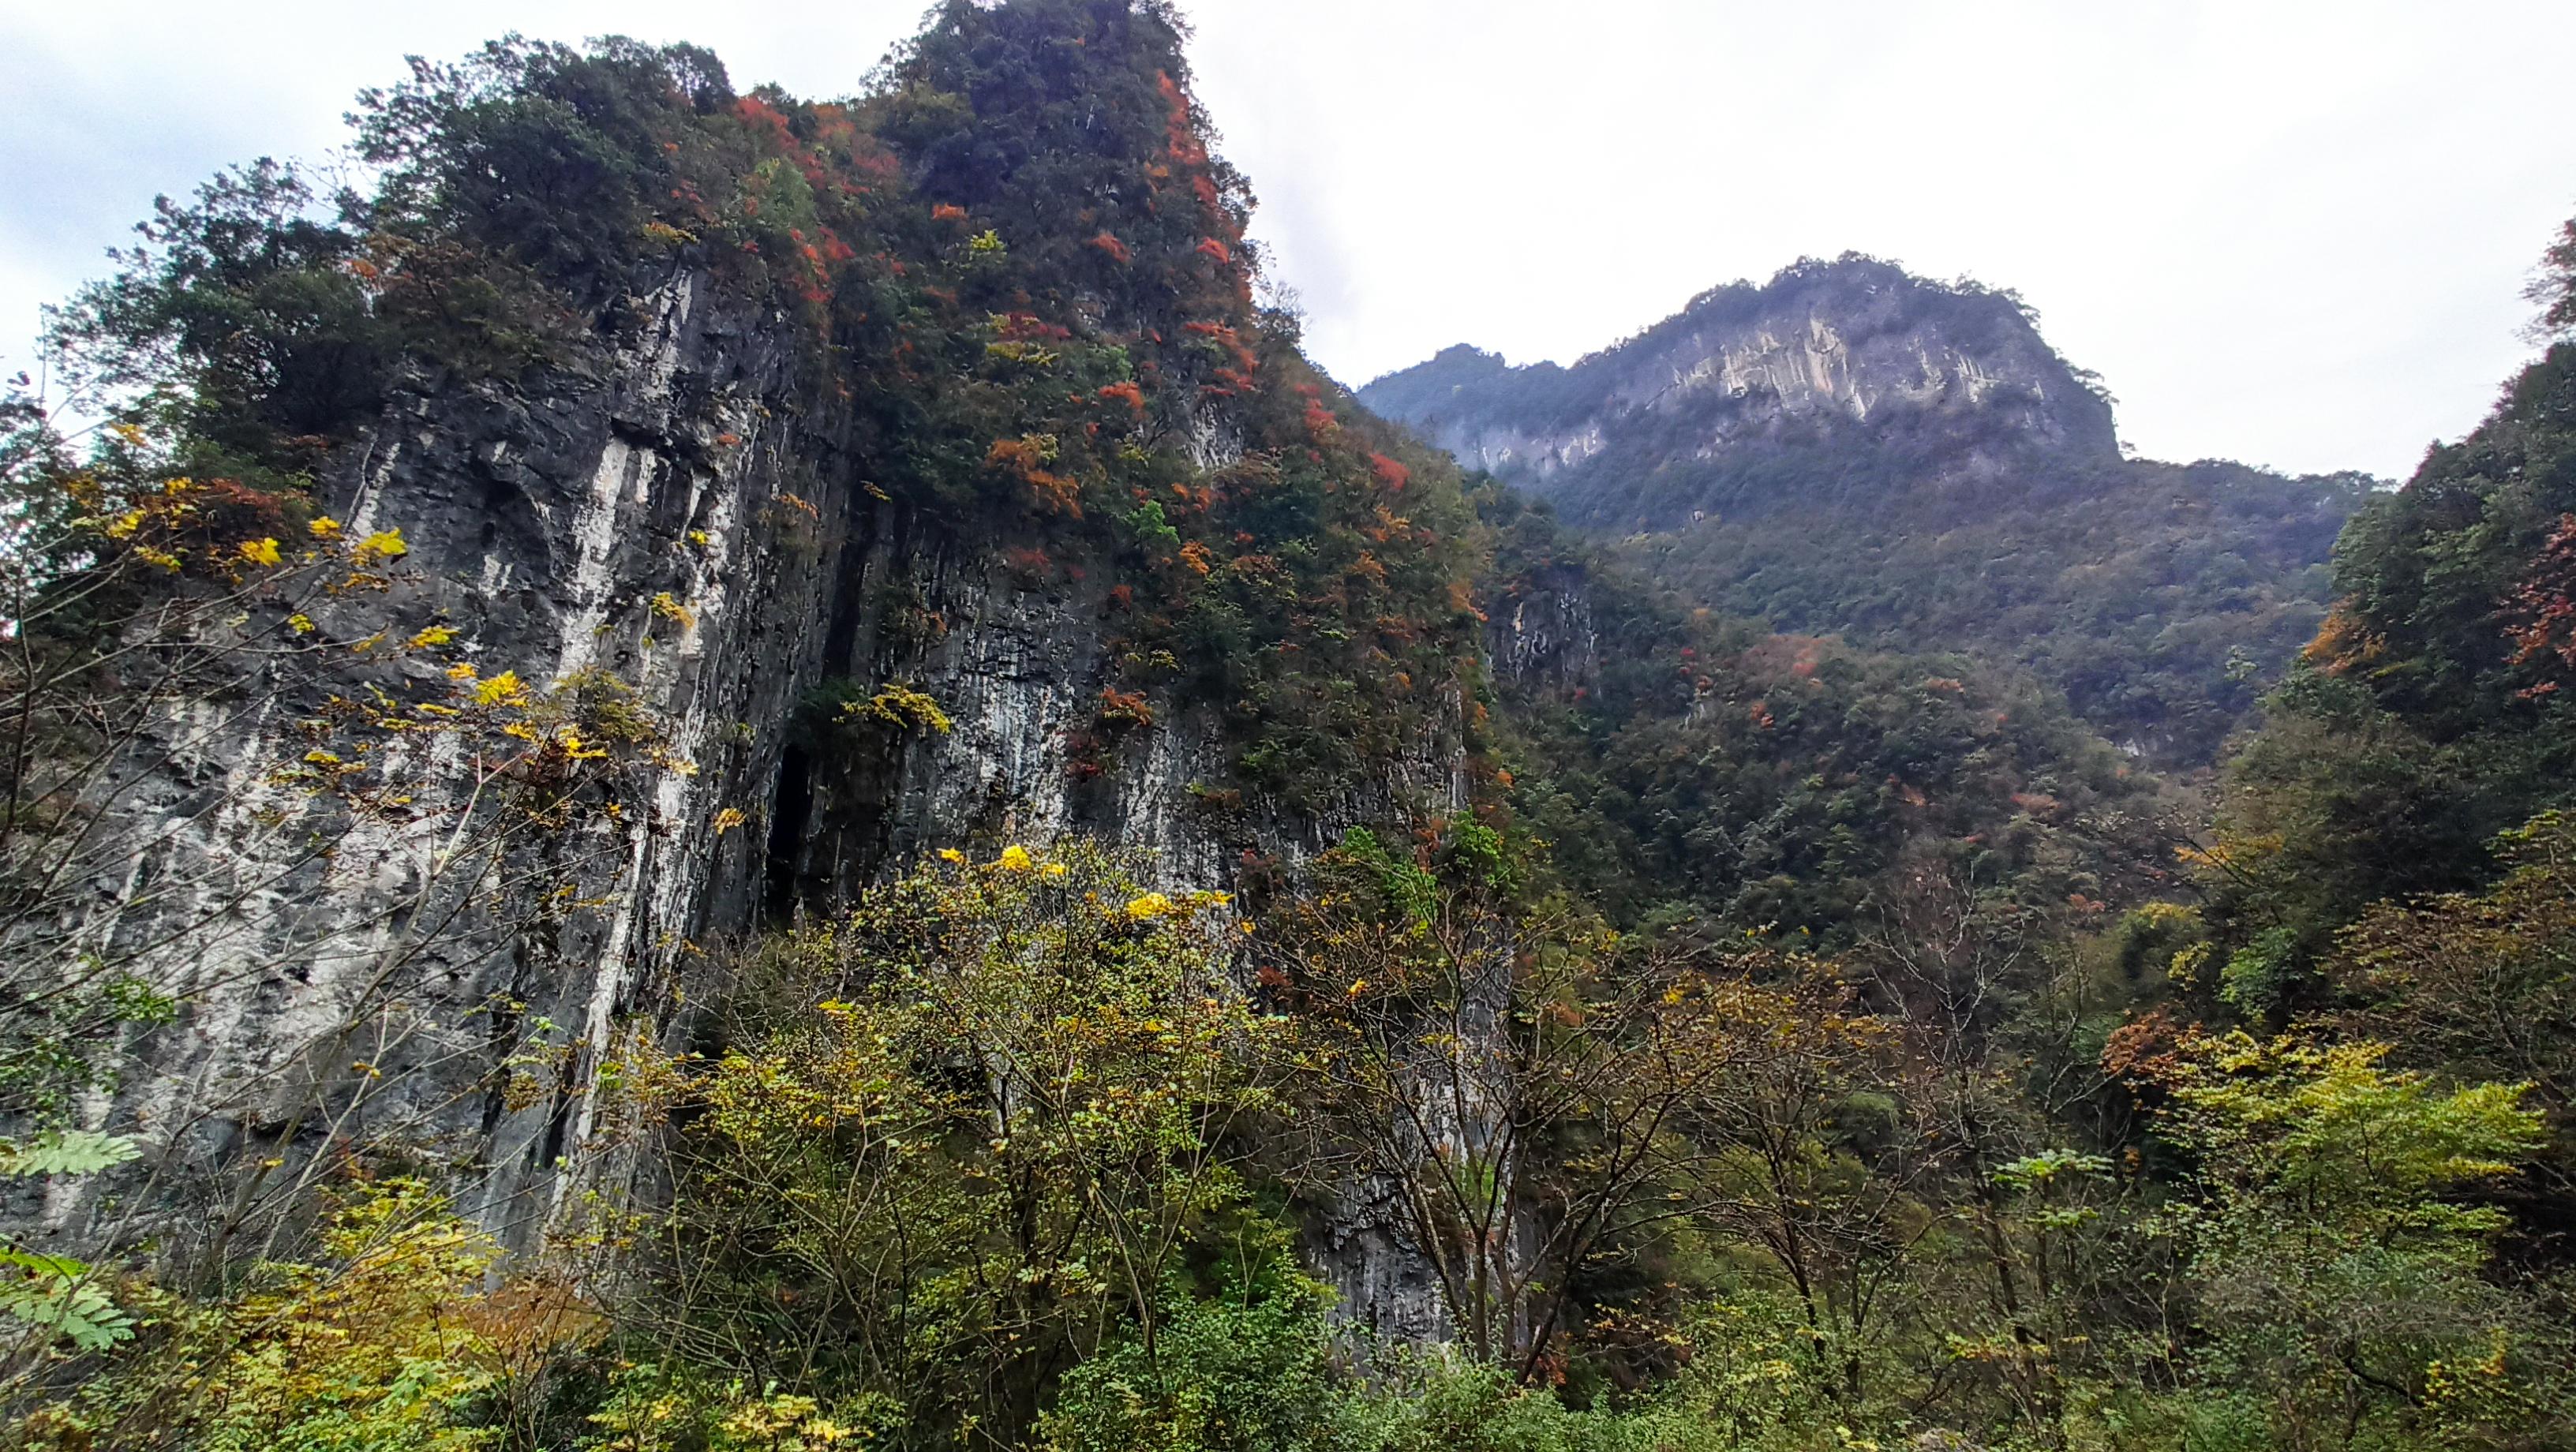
669, 513
861, 471
396, 985
1822, 347
1543, 636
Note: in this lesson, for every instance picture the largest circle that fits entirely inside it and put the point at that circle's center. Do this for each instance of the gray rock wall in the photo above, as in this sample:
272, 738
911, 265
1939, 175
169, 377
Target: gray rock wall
386, 990
1854, 346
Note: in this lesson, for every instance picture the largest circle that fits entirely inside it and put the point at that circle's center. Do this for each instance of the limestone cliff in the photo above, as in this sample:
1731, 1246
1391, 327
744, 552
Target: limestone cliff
378, 997
776, 491
1857, 350
680, 517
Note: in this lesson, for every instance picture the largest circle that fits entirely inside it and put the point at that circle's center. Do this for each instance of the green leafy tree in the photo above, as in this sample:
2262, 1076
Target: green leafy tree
2338, 1252
972, 1132
1242, 1372
52, 1295
383, 1341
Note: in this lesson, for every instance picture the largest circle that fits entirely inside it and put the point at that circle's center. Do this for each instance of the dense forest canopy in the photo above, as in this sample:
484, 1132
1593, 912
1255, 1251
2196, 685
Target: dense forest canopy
1727, 971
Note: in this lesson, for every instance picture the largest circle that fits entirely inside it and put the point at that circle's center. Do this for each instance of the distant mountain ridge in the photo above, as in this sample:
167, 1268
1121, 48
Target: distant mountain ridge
1851, 354
1851, 450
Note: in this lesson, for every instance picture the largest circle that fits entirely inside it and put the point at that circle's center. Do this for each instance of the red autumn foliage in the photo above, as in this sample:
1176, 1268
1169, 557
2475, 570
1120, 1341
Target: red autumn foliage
1180, 138
1225, 336
1127, 393
2540, 614
948, 212
1108, 242
1123, 709
1188, 153
1050, 492
1029, 565
766, 119
219, 514
1390, 473
835, 158
2145, 1050
1082, 756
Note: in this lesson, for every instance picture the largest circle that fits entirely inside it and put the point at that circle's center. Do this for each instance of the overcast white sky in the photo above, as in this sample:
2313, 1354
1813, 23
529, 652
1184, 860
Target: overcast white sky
2291, 233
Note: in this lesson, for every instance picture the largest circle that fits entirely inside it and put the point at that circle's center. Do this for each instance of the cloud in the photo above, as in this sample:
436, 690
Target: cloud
2289, 231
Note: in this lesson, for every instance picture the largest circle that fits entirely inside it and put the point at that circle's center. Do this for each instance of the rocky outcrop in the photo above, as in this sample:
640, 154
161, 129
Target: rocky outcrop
433, 976
1541, 636
671, 515
1854, 349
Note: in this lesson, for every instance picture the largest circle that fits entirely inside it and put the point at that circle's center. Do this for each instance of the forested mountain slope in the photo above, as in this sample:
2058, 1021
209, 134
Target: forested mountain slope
2432, 711
1851, 450
726, 772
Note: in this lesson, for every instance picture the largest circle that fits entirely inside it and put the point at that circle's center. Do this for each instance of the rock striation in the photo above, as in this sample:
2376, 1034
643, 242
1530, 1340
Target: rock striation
381, 991
1853, 353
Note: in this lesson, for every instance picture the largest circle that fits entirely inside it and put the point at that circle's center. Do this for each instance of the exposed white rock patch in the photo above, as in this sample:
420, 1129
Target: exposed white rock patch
629, 519
1824, 342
